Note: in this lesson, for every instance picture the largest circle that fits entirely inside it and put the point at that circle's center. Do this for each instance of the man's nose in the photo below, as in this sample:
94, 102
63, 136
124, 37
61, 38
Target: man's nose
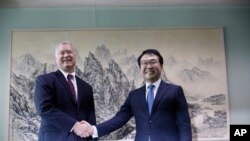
66, 54
149, 65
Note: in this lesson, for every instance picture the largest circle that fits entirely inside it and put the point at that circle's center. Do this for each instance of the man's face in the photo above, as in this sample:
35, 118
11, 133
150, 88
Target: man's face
150, 67
66, 58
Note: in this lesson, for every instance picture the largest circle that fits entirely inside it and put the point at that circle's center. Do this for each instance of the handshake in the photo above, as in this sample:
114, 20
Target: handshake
83, 129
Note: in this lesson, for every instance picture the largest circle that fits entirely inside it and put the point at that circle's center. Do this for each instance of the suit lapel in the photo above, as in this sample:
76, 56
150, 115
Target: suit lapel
142, 98
79, 91
160, 93
62, 80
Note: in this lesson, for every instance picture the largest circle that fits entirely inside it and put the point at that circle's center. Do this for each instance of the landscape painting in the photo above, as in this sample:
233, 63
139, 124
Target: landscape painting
107, 59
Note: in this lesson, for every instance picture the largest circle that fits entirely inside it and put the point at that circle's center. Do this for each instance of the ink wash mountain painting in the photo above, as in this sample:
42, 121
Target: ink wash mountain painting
107, 59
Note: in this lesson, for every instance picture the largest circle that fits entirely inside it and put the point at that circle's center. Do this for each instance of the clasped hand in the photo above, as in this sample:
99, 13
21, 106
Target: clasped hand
83, 129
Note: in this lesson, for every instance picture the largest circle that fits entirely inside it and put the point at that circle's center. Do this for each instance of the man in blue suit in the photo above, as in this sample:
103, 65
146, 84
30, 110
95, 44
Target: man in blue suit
63, 100
162, 117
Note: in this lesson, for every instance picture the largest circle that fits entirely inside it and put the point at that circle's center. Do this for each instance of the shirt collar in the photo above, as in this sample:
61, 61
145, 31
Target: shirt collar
65, 74
156, 83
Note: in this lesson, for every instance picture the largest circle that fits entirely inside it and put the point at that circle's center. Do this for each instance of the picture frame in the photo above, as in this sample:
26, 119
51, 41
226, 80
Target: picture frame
193, 58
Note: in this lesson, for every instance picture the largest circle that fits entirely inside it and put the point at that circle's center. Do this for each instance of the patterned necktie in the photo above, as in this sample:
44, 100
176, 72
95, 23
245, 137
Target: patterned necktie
71, 86
150, 97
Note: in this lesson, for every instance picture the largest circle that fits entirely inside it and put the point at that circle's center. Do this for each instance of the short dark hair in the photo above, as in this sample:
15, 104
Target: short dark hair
150, 51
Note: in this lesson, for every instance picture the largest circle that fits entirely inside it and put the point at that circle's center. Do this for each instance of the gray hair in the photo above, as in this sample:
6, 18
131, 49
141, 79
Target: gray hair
63, 43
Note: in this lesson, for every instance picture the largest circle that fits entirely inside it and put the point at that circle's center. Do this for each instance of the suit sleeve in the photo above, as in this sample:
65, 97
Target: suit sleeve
183, 118
120, 119
44, 103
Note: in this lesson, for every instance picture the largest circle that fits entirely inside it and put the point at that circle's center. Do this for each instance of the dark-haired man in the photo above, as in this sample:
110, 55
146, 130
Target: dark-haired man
160, 109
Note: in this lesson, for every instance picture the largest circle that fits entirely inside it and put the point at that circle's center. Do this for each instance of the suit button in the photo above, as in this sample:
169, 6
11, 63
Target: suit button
150, 121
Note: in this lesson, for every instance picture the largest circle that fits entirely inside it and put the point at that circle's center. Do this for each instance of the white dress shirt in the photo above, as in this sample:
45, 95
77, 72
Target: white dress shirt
65, 74
156, 86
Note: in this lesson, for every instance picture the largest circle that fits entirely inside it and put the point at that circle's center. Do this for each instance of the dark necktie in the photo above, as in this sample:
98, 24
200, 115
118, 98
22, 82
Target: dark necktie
150, 97
71, 86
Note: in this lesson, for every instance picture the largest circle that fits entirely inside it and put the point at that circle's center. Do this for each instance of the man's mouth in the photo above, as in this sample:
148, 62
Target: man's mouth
66, 60
149, 72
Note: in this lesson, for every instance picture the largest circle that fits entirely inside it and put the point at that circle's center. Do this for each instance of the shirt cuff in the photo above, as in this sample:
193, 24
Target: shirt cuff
73, 128
95, 133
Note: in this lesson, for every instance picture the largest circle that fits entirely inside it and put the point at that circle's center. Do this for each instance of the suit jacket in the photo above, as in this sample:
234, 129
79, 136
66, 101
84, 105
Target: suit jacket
57, 108
168, 121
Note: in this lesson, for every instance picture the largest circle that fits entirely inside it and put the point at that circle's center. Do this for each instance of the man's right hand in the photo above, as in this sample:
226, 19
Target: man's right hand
83, 129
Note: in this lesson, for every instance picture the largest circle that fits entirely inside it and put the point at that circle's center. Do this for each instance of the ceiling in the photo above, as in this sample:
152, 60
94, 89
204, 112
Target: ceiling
112, 3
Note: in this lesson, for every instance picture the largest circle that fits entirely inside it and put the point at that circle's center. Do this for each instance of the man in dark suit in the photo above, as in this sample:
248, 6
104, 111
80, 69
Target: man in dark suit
160, 109
63, 100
